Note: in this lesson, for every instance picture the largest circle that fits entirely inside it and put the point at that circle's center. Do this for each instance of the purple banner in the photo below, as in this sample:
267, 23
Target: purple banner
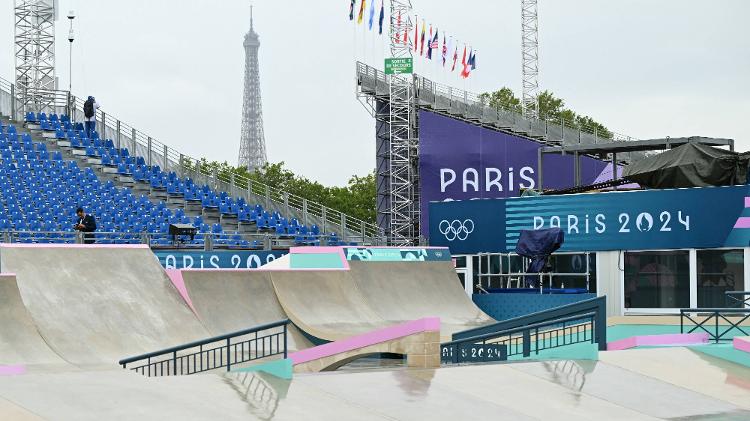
462, 161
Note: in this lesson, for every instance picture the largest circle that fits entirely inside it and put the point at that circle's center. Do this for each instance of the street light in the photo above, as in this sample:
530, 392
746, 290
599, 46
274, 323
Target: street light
71, 37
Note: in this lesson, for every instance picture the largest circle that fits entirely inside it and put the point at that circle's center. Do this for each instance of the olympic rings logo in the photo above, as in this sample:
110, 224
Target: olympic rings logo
456, 229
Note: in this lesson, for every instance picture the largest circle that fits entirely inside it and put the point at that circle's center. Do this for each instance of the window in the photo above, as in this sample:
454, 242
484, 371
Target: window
719, 271
657, 279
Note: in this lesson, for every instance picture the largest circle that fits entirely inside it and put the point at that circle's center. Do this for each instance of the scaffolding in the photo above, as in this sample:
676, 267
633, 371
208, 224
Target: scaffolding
403, 201
35, 54
529, 56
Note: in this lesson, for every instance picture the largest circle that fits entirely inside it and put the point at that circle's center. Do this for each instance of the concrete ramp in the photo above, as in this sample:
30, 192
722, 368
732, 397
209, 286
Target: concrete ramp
325, 303
230, 300
418, 340
400, 291
97, 304
20, 342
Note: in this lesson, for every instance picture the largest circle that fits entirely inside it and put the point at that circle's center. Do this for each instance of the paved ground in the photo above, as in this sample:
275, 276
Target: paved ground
562, 390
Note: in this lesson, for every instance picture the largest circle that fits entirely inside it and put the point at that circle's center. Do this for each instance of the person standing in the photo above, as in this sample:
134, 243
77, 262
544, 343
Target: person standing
89, 114
86, 224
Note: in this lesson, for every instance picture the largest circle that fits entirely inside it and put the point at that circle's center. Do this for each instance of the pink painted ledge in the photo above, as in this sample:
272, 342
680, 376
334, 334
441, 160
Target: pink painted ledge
12, 370
676, 339
429, 324
7, 274
74, 246
741, 343
175, 275
747, 202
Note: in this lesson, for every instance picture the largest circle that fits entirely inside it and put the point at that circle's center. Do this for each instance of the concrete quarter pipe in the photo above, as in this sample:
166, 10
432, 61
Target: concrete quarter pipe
94, 305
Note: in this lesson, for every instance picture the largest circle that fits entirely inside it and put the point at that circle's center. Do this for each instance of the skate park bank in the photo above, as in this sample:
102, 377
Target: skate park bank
258, 336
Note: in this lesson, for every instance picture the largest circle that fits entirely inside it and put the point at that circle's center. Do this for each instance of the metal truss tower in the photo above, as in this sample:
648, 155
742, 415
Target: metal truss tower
403, 174
252, 139
529, 56
35, 54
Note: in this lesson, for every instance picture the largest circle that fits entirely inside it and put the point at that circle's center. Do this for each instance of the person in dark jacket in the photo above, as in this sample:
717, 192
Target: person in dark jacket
86, 224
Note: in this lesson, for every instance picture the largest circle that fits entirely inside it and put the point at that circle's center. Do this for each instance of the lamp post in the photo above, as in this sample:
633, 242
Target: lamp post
71, 37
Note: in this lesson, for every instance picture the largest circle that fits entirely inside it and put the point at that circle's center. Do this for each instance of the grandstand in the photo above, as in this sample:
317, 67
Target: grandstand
49, 167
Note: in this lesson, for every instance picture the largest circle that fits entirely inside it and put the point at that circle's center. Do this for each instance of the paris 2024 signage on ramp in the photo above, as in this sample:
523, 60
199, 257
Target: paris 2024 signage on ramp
463, 161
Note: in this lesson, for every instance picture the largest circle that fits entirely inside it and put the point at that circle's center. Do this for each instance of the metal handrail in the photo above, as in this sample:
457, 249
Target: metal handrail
206, 341
737, 298
200, 356
470, 99
715, 314
158, 153
544, 335
598, 305
532, 326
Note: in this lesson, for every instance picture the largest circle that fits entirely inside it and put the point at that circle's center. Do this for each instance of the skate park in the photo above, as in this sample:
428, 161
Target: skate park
502, 260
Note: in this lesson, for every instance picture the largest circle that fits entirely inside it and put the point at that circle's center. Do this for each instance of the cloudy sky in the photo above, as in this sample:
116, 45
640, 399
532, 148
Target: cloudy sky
174, 68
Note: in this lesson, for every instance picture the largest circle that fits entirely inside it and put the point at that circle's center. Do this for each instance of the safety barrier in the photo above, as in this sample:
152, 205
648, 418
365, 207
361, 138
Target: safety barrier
217, 352
738, 299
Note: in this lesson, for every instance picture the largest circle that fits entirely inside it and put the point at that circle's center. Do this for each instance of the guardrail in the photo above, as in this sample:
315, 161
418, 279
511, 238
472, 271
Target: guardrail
213, 353
739, 299
523, 340
169, 159
712, 316
473, 107
210, 241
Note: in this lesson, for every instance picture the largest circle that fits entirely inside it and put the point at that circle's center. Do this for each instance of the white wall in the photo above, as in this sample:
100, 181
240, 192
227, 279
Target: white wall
609, 280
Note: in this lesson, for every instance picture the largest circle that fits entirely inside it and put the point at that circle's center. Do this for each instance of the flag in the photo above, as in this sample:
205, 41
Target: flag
372, 14
445, 49
421, 40
473, 60
416, 32
465, 71
398, 27
351, 10
429, 45
455, 57
434, 44
406, 33
382, 16
450, 48
361, 14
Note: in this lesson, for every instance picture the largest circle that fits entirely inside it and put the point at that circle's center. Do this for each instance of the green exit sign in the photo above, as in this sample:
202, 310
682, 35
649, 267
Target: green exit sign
399, 65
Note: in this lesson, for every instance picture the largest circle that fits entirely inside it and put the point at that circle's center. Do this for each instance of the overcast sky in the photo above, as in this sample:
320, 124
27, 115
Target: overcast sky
174, 68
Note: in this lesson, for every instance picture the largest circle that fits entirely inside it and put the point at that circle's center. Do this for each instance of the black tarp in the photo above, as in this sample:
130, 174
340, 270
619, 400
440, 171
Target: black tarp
690, 165
538, 245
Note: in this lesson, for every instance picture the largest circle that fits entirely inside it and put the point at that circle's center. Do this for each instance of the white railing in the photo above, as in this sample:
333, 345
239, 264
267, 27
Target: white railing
168, 159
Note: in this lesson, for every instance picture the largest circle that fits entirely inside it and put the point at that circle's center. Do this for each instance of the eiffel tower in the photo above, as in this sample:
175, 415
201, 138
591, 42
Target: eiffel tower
252, 140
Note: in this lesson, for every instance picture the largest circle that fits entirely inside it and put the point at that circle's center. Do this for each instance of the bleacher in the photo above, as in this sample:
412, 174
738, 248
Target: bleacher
40, 191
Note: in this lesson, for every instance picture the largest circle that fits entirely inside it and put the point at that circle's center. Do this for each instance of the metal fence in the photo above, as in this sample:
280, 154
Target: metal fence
472, 107
721, 324
213, 353
155, 152
528, 339
205, 241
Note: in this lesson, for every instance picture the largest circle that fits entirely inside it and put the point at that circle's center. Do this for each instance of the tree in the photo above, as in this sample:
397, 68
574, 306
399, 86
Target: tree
550, 107
356, 199
503, 99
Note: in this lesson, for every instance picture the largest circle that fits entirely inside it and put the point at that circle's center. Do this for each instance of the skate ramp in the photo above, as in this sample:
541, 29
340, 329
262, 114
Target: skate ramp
400, 291
325, 303
231, 300
20, 342
95, 304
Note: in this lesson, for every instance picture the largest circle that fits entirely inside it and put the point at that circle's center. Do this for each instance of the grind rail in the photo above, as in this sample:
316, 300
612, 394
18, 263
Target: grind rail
212, 353
584, 321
